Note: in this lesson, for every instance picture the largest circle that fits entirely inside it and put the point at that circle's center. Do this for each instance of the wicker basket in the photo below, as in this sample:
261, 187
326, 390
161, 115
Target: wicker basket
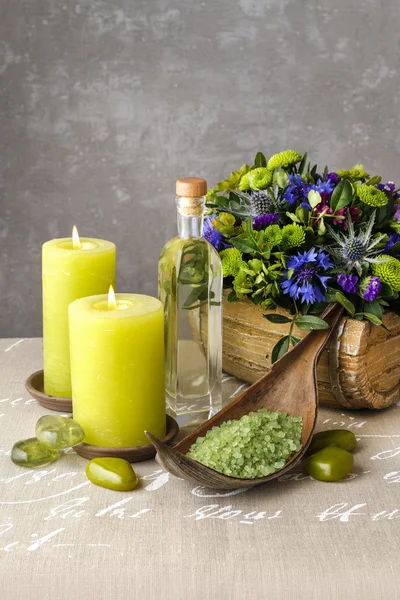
359, 369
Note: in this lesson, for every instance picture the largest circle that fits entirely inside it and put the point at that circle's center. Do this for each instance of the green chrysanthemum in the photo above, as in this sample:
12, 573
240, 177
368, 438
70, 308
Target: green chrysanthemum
232, 262
293, 236
273, 235
284, 159
356, 173
389, 271
257, 179
371, 196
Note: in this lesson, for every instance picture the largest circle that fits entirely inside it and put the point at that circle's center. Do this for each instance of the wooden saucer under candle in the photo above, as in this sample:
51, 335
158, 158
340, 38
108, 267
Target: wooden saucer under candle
35, 386
132, 453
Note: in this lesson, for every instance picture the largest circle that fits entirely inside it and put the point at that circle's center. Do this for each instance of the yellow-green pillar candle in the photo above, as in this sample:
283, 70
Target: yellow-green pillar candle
71, 268
117, 368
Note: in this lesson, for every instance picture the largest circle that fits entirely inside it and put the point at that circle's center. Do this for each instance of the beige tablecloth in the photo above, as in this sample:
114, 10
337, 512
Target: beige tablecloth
63, 538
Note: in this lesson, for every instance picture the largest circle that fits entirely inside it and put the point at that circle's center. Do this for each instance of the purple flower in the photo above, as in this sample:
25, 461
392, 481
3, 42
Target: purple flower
389, 188
307, 282
264, 220
333, 178
397, 213
354, 214
212, 236
348, 283
371, 287
394, 238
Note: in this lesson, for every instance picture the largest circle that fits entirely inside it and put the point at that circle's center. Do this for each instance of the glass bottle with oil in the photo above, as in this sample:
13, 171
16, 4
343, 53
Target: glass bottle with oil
190, 287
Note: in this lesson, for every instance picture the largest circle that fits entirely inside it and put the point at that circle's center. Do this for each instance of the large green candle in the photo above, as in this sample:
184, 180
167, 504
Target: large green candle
117, 368
71, 268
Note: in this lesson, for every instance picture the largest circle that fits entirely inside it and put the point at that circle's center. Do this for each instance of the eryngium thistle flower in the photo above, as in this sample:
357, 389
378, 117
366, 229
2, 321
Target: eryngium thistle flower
371, 196
354, 250
257, 179
284, 159
254, 204
293, 236
388, 271
260, 204
356, 173
232, 261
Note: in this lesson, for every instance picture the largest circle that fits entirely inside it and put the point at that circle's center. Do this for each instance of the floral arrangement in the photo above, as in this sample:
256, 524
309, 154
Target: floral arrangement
292, 236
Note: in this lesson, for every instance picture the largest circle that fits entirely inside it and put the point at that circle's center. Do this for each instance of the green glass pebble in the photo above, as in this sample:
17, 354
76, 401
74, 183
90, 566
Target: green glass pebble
59, 432
342, 438
31, 453
329, 464
112, 473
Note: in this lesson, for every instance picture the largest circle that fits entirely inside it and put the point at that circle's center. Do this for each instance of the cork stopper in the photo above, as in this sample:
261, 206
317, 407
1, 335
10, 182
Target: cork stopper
191, 187
190, 193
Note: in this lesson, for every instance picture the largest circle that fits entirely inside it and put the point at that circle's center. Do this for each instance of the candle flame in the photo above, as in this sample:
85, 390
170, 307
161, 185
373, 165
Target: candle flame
76, 242
112, 302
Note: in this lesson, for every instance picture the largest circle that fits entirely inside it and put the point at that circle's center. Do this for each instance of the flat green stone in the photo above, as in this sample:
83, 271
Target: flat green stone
112, 473
342, 438
329, 464
59, 432
31, 453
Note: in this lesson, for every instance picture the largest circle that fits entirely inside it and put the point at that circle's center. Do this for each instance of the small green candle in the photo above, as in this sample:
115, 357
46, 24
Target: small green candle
71, 268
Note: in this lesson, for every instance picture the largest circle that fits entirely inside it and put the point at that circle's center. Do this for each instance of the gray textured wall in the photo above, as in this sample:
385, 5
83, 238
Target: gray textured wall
105, 103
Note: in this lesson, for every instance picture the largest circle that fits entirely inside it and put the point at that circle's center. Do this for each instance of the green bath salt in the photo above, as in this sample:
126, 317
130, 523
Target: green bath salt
255, 445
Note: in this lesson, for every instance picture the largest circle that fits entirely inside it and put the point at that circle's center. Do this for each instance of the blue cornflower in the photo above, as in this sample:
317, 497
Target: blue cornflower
213, 236
394, 238
298, 189
263, 221
307, 282
294, 191
348, 283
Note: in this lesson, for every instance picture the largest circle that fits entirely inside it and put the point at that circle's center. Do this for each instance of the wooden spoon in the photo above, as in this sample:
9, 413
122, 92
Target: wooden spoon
289, 386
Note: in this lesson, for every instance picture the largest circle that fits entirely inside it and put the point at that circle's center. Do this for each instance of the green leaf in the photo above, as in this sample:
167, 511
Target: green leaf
232, 296
372, 318
383, 302
373, 308
302, 164
290, 273
395, 249
280, 349
349, 306
330, 295
386, 290
321, 227
233, 205
294, 340
246, 246
199, 293
260, 160
293, 217
374, 180
314, 198
281, 179
342, 195
274, 318
310, 322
